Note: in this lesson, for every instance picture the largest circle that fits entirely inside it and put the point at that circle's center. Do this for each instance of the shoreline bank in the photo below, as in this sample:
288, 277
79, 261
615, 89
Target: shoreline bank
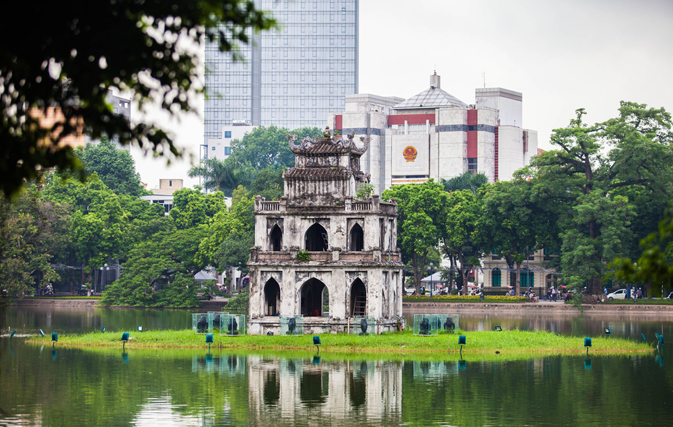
457, 307
211, 305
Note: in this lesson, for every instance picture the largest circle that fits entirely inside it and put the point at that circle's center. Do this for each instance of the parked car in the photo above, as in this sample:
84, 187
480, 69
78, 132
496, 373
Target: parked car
620, 294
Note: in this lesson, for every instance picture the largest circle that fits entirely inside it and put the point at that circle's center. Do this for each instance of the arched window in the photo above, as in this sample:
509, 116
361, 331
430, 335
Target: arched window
316, 238
276, 238
357, 238
496, 277
312, 297
358, 298
271, 298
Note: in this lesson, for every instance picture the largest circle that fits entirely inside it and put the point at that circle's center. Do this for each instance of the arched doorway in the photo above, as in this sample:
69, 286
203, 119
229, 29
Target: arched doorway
358, 305
312, 295
276, 238
316, 238
271, 297
357, 238
496, 277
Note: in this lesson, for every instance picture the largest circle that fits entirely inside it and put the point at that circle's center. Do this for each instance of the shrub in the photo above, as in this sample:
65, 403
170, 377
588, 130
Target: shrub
303, 256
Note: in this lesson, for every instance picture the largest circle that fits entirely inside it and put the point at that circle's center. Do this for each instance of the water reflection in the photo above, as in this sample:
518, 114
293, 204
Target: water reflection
228, 365
623, 325
300, 392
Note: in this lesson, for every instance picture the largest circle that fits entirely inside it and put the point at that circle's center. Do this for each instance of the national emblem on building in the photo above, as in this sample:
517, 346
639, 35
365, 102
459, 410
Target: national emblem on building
322, 256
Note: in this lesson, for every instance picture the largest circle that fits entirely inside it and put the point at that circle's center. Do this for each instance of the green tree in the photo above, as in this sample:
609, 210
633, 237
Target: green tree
99, 235
586, 179
231, 234
269, 183
421, 221
160, 271
191, 207
114, 167
460, 243
220, 175
466, 181
73, 55
29, 236
265, 147
512, 225
654, 267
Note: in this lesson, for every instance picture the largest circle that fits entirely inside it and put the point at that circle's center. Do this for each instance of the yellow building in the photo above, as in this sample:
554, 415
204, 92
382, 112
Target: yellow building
498, 275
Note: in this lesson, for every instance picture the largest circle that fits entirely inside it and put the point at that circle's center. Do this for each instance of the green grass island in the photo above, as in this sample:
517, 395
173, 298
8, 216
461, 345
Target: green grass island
506, 344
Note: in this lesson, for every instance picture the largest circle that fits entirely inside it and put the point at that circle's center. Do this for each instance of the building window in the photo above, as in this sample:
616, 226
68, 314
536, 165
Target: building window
496, 277
213, 148
227, 134
227, 151
472, 166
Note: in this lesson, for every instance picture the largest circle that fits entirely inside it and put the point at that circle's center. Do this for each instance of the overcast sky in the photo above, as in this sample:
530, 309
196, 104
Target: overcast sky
562, 55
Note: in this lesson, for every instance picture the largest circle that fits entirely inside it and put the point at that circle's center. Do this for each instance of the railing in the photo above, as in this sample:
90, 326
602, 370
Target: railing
270, 206
361, 206
388, 208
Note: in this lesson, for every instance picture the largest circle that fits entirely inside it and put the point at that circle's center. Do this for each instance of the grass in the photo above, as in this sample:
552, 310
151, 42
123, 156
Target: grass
513, 342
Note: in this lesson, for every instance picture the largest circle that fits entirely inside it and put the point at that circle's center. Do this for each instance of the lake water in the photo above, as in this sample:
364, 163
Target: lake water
73, 387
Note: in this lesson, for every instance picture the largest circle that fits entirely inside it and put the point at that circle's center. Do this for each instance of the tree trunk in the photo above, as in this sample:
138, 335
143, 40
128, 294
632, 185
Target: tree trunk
418, 269
517, 283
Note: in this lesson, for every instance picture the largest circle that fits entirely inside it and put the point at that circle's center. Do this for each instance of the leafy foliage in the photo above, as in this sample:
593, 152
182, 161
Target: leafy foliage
303, 255
655, 264
29, 238
364, 191
588, 180
466, 181
73, 55
421, 221
114, 167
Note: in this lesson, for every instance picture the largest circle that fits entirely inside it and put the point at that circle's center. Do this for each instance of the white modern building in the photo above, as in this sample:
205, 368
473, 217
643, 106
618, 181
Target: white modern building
220, 147
434, 135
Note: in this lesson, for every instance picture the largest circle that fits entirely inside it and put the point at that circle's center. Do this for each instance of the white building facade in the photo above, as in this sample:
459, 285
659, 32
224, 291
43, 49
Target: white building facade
434, 135
220, 147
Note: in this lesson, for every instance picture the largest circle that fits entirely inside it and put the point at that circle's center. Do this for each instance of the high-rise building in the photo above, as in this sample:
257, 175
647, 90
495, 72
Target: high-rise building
289, 77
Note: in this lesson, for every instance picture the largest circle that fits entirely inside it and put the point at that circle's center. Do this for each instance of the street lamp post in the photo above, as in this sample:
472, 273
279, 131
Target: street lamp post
103, 279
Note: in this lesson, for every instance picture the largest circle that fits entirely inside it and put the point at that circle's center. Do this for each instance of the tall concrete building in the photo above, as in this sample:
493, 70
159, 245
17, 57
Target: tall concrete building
434, 135
290, 77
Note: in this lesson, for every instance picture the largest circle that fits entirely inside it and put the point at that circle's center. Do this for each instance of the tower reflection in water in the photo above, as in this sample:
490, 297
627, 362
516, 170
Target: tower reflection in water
296, 391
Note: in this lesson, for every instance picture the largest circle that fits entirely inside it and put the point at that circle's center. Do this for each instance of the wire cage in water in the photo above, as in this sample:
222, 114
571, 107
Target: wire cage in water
233, 324
363, 325
426, 324
217, 319
202, 323
291, 325
448, 323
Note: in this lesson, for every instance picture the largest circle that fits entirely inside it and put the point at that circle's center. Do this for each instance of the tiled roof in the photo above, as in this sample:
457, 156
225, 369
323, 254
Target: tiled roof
318, 173
433, 97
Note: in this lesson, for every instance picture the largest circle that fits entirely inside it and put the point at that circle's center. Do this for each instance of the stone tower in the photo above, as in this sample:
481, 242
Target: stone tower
354, 269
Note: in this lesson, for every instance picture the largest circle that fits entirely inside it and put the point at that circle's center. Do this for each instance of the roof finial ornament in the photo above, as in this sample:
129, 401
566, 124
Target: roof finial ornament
326, 133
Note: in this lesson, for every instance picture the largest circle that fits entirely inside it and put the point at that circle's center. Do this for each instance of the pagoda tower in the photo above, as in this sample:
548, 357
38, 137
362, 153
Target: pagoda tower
321, 252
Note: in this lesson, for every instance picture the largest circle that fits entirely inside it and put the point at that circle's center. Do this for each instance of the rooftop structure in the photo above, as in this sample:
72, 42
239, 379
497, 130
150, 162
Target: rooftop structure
434, 135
